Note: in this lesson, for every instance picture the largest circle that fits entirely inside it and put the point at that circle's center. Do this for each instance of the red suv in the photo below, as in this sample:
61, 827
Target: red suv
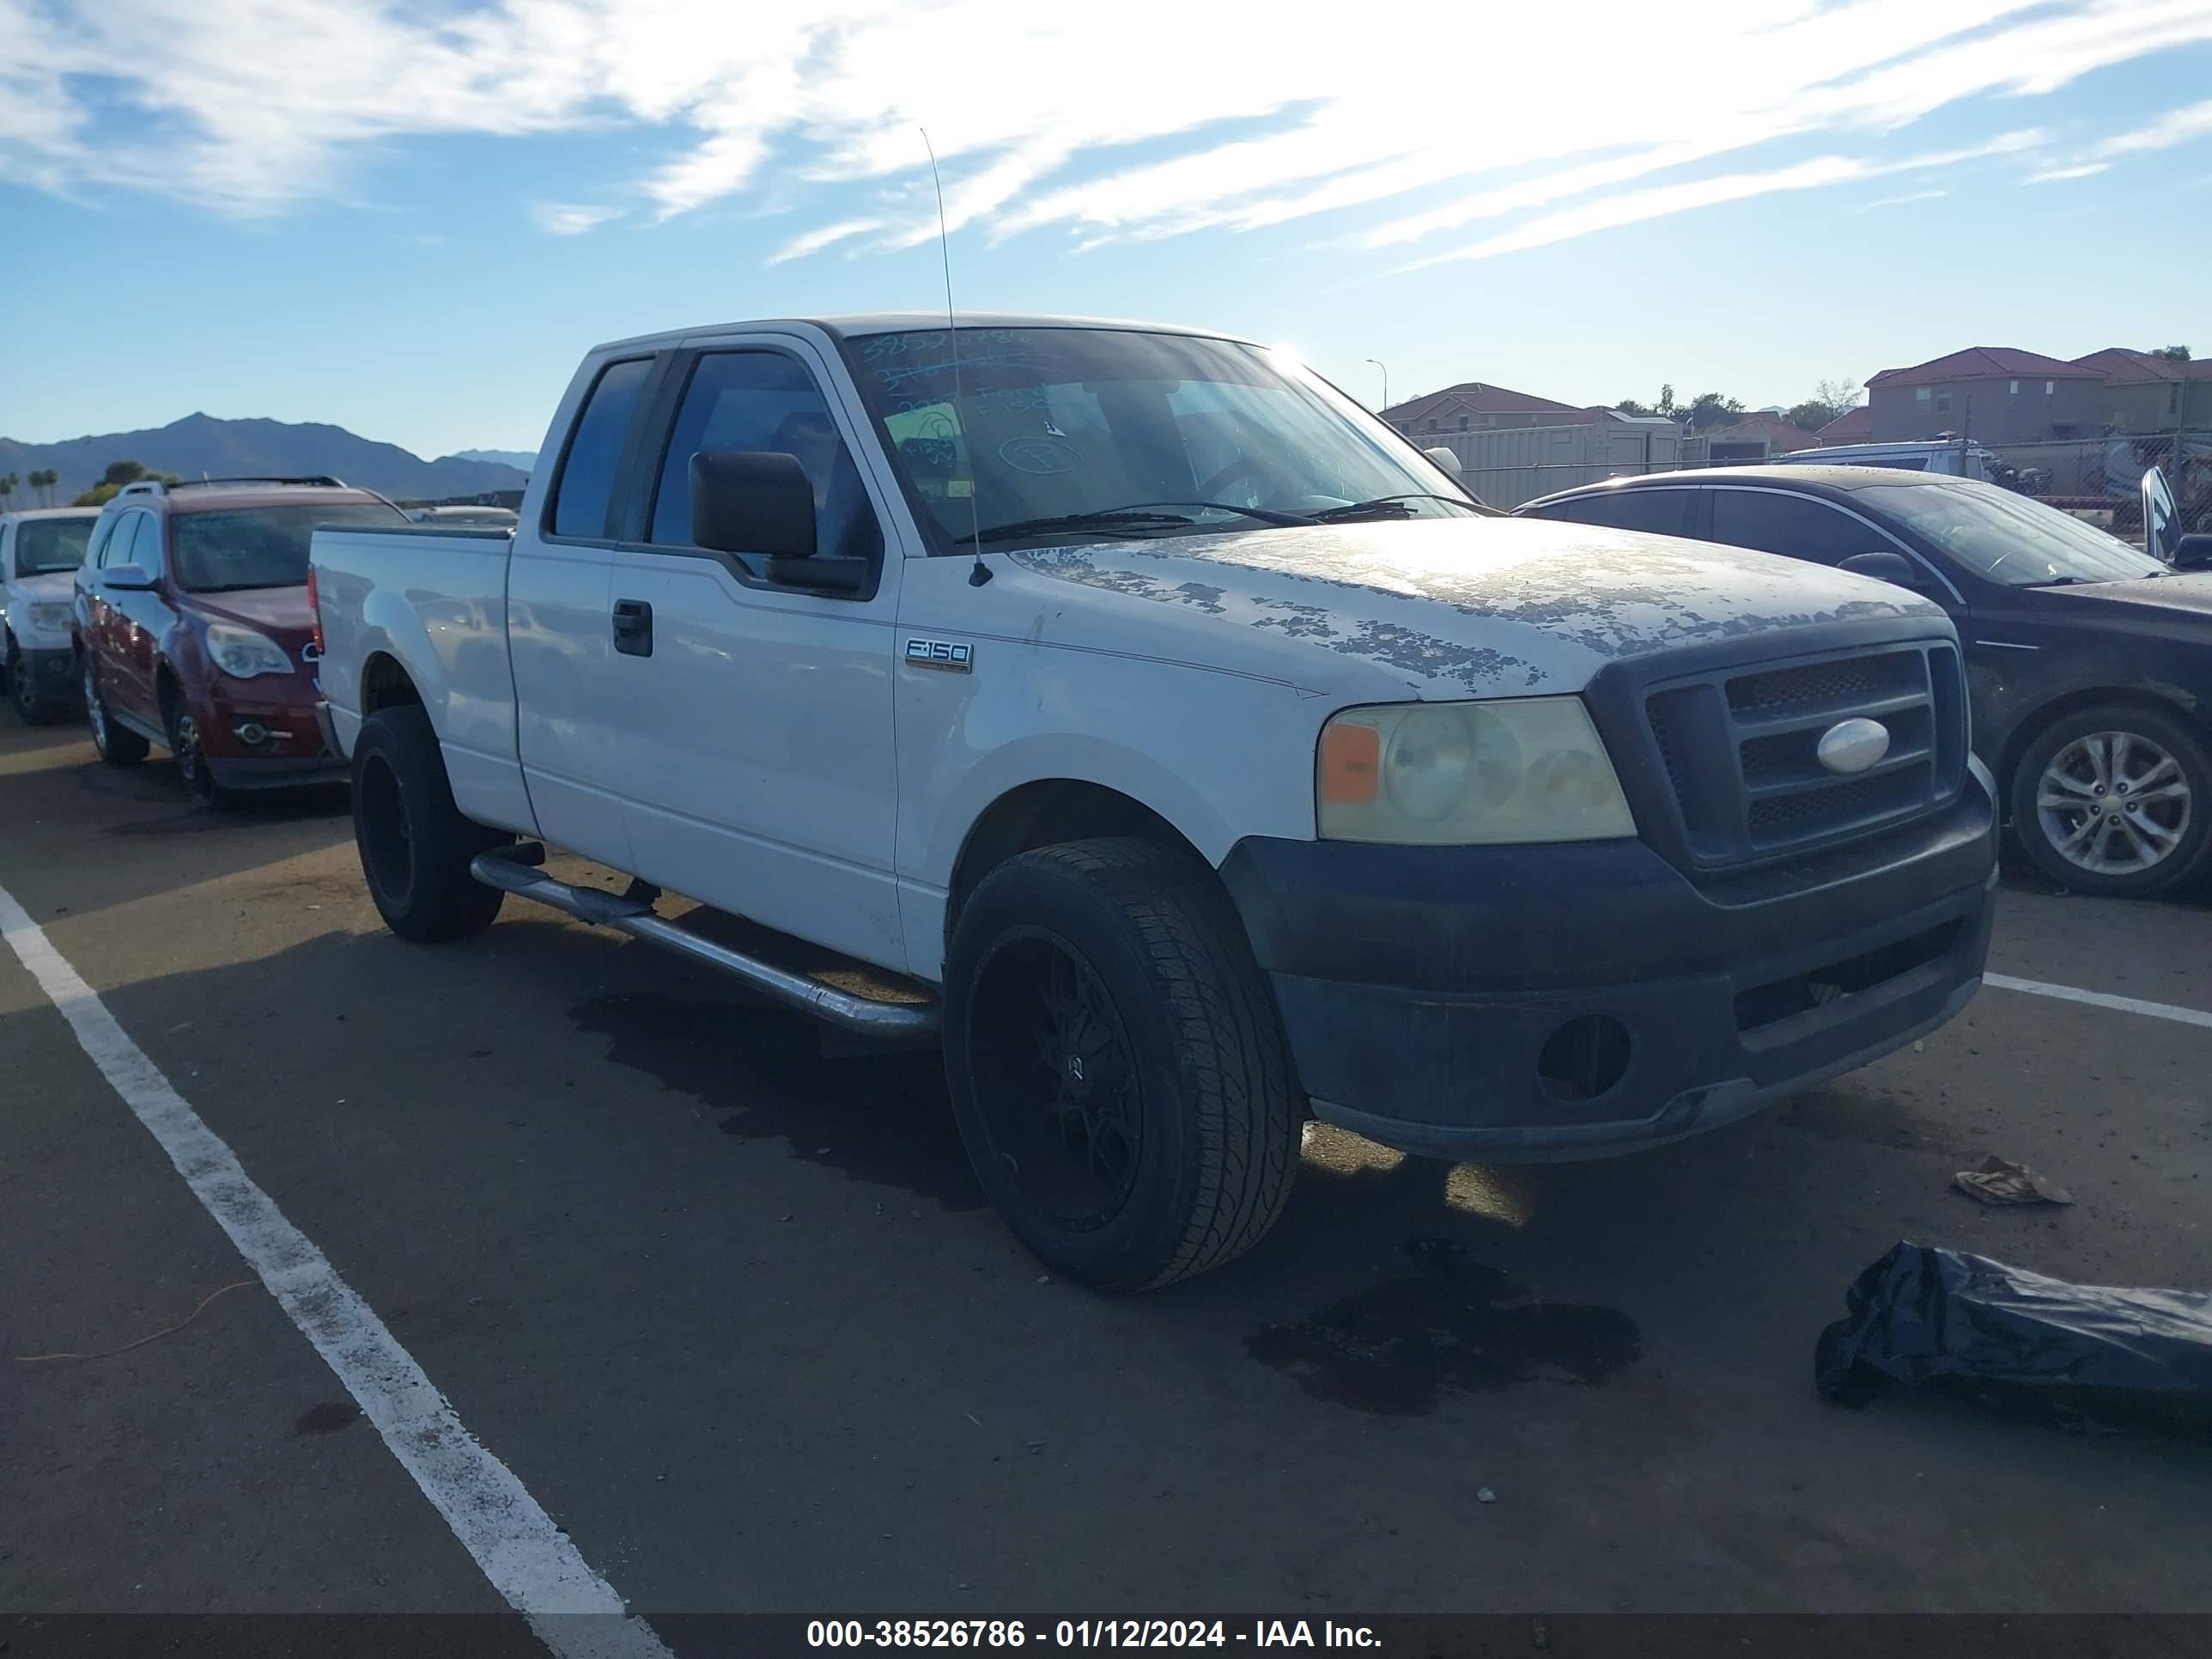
194, 629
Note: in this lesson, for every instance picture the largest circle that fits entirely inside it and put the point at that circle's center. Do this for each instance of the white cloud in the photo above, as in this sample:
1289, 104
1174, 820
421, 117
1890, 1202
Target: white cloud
571, 218
1633, 207
1155, 119
2175, 127
814, 242
1900, 201
2057, 175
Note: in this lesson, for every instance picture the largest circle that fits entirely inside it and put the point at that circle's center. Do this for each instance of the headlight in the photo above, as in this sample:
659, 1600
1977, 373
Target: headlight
1456, 773
52, 617
241, 654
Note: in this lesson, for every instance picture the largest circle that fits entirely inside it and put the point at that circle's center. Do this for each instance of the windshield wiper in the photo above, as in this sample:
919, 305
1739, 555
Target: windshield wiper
1393, 507
1135, 519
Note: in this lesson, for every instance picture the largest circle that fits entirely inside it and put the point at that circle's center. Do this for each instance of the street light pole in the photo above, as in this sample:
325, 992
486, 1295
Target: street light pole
1379, 363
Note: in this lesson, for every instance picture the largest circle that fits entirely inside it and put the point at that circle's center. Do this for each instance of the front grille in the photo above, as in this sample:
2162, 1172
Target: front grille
1824, 685
1740, 749
1767, 1005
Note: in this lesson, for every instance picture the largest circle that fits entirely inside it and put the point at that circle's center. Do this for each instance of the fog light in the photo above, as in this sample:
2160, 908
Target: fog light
1583, 1059
251, 732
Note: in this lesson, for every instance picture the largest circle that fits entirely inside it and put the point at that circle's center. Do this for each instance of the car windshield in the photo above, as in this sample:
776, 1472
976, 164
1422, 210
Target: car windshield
259, 546
48, 544
2010, 538
1159, 434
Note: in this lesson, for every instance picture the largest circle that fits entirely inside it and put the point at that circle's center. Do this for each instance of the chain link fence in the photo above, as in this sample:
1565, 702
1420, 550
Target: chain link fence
2098, 479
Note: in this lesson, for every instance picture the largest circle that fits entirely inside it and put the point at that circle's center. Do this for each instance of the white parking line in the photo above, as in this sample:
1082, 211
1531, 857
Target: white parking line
2036, 987
528, 1560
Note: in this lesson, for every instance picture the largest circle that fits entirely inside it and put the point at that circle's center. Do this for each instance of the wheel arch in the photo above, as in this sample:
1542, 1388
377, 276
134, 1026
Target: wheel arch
1043, 812
2172, 702
386, 684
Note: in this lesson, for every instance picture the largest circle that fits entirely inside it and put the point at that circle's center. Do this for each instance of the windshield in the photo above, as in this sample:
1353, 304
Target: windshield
259, 546
2010, 538
1055, 423
48, 544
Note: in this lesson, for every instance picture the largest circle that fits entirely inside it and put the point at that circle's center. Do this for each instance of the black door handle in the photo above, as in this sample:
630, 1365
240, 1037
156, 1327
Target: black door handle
633, 627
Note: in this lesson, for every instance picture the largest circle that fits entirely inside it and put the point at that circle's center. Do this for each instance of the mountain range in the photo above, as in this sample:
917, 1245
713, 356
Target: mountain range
521, 459
202, 445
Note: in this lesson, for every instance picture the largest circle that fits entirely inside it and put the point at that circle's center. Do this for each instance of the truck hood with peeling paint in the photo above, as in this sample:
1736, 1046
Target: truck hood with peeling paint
1485, 607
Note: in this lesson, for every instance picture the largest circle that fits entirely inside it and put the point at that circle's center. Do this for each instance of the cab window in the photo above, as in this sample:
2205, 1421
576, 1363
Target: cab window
764, 400
595, 448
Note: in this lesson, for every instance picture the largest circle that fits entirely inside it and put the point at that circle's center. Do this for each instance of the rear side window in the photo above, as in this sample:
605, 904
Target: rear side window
588, 473
1796, 526
1661, 511
763, 400
123, 547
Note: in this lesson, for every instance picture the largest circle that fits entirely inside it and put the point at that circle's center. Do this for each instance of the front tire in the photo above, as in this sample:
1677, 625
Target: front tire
2115, 801
189, 753
415, 844
117, 745
30, 707
1117, 1066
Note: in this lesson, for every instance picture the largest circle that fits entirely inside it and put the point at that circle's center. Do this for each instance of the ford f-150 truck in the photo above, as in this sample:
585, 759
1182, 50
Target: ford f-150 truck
1179, 744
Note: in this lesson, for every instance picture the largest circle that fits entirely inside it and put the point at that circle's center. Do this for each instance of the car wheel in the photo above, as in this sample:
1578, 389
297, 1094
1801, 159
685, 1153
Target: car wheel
190, 754
117, 745
2115, 800
27, 707
415, 844
1117, 1067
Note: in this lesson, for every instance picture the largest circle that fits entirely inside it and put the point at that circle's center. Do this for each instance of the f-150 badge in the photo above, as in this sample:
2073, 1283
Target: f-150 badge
952, 656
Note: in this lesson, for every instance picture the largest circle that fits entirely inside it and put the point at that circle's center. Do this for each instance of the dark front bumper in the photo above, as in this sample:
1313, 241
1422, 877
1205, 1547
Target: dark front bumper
53, 675
291, 772
1423, 990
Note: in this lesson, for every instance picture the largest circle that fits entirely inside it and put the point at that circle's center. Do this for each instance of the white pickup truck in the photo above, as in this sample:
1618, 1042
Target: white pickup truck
1130, 709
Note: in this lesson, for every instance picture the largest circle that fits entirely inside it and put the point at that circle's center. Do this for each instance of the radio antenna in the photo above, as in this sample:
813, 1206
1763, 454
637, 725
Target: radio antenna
979, 572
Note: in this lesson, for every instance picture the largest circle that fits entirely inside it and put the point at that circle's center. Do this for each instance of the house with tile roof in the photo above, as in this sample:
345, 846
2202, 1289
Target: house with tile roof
2146, 392
1993, 394
1854, 426
1478, 406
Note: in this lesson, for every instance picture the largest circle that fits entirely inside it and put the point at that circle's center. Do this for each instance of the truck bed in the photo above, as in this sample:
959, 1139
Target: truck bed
435, 599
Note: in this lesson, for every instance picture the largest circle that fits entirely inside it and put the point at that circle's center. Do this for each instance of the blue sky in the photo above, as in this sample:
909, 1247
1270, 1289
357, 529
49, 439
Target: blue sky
411, 217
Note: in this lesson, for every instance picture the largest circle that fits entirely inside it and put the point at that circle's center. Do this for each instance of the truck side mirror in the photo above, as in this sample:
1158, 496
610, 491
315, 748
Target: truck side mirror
127, 578
2193, 553
752, 501
1892, 567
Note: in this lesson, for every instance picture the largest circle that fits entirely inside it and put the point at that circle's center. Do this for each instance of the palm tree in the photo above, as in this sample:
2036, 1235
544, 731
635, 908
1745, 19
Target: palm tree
43, 482
8, 482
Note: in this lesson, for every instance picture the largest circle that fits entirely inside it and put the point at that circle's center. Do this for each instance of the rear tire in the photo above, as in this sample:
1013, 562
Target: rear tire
1117, 1067
415, 844
117, 745
2115, 801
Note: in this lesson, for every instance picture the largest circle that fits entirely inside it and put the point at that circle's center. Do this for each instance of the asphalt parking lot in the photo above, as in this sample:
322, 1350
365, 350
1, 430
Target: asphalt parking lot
733, 1312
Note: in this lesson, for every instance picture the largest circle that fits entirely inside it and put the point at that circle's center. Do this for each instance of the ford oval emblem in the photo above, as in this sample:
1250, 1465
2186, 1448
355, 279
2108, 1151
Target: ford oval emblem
1852, 745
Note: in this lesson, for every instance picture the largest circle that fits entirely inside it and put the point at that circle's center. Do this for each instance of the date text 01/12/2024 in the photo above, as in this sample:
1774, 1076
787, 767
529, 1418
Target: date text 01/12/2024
1085, 1633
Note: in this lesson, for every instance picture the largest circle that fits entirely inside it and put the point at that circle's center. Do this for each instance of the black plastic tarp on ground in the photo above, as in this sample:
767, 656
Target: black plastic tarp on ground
2085, 1356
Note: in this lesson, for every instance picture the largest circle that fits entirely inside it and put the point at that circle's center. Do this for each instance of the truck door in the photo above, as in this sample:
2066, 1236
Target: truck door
569, 730
760, 776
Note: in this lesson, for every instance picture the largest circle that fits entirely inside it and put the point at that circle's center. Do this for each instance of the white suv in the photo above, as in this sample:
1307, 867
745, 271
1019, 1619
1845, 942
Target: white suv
40, 552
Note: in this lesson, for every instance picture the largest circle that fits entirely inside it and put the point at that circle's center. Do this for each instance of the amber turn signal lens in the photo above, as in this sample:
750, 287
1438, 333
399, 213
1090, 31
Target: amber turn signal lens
1350, 763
